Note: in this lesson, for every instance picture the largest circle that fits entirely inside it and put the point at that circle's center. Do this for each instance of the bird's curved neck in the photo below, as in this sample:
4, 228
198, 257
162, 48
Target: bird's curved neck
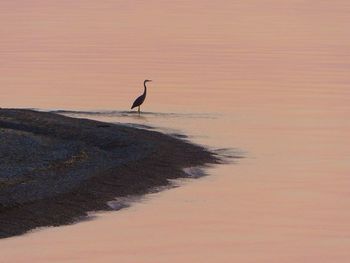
145, 91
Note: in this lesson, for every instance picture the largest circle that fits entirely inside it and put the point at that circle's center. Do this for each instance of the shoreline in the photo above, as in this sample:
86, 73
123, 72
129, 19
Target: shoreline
55, 169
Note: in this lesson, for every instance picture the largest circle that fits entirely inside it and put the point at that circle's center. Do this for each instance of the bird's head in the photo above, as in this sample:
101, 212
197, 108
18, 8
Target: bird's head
147, 80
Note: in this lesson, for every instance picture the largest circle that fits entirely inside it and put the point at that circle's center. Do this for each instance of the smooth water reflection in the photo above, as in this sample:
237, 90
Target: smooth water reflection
270, 79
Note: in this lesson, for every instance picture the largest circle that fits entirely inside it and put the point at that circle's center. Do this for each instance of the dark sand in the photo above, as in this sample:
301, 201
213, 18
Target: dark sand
54, 169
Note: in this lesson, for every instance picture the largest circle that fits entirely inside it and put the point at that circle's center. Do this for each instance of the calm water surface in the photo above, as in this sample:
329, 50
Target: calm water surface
269, 79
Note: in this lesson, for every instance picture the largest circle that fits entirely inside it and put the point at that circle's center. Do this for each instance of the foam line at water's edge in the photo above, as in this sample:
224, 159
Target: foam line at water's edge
189, 173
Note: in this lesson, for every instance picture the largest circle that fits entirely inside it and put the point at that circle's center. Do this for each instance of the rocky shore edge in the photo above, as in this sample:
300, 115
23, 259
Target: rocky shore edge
55, 169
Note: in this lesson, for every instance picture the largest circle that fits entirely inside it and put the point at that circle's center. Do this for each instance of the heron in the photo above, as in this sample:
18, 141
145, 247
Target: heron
138, 102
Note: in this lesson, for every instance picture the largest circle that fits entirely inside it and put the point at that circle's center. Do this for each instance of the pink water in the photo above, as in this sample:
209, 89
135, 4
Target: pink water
267, 78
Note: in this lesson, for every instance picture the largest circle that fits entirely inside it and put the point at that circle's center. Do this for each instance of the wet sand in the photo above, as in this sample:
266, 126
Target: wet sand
55, 169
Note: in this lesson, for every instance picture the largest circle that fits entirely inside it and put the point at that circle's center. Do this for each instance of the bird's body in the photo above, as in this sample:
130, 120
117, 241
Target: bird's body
138, 102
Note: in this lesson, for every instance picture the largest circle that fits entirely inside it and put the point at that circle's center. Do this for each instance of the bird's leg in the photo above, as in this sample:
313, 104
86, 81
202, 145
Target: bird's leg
139, 110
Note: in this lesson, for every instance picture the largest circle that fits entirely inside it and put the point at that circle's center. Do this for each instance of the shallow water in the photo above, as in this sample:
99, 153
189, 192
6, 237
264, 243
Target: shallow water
268, 80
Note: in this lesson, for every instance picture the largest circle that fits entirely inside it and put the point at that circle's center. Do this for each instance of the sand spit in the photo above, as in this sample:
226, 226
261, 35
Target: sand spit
54, 169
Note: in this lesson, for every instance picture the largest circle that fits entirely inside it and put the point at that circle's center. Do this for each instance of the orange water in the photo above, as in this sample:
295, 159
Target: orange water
267, 78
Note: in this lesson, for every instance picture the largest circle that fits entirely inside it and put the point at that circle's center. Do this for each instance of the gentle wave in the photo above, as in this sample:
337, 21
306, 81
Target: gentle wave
116, 113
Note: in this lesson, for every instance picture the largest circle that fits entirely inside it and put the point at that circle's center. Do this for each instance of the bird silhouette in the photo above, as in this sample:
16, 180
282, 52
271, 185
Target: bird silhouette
138, 102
